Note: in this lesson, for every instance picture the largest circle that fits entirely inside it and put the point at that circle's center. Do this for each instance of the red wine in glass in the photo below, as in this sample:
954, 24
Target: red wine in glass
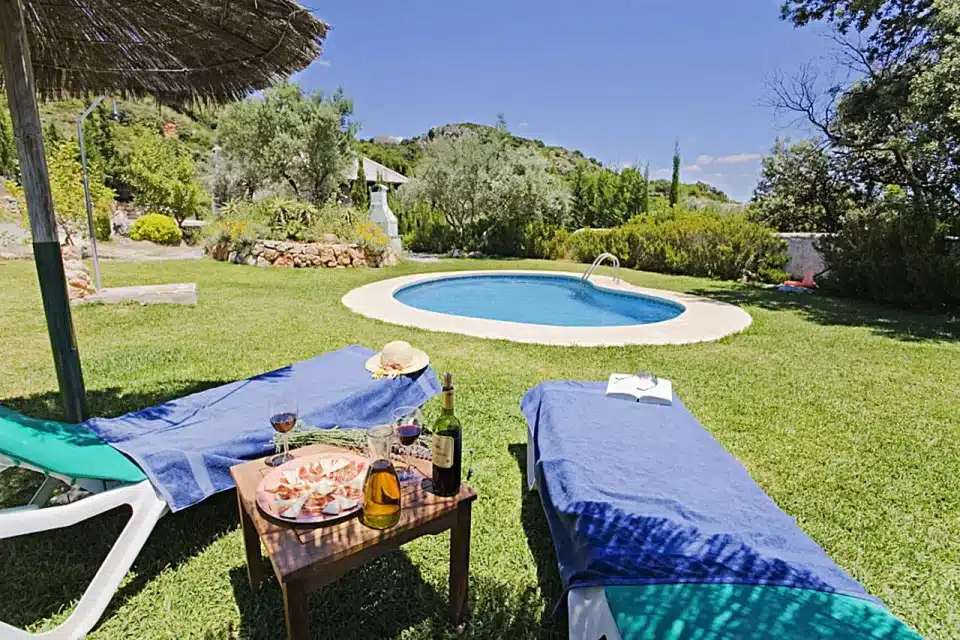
283, 422
408, 433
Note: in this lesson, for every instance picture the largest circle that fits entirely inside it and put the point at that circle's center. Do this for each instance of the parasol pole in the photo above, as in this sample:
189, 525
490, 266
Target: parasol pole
86, 192
21, 95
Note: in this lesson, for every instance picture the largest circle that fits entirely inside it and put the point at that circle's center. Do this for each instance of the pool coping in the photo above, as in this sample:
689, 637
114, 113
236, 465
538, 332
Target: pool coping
703, 319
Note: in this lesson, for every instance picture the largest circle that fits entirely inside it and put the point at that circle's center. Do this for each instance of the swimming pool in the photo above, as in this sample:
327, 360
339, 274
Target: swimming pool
558, 301
546, 307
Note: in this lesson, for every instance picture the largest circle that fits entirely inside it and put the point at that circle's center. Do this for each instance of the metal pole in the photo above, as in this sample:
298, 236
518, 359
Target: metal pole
86, 193
21, 94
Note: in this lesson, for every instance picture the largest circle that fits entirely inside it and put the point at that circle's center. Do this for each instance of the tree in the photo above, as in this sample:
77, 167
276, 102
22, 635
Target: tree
675, 181
290, 140
9, 161
66, 186
632, 188
799, 190
52, 135
162, 176
359, 192
646, 188
577, 182
487, 192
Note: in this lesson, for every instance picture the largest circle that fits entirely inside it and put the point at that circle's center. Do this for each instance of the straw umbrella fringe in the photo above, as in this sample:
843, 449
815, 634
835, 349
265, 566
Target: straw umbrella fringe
177, 51
215, 49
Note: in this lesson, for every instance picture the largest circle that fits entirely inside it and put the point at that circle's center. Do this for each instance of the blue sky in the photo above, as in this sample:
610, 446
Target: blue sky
617, 79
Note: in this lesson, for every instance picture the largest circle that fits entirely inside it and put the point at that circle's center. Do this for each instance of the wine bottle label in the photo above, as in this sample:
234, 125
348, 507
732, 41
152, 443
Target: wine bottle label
443, 451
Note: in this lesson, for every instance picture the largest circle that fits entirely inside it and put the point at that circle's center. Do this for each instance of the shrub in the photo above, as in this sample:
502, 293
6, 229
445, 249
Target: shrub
696, 244
887, 254
424, 229
371, 237
156, 227
102, 226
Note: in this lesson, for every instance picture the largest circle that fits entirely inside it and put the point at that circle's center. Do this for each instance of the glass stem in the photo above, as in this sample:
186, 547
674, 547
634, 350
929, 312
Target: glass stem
286, 445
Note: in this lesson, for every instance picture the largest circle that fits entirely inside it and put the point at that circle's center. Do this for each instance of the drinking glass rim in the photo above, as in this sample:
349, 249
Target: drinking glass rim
380, 431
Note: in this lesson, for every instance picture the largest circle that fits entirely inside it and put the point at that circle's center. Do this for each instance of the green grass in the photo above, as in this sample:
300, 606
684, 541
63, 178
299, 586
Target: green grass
846, 414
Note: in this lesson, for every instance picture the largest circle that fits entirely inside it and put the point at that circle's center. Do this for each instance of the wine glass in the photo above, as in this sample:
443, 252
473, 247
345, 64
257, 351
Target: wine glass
283, 417
407, 426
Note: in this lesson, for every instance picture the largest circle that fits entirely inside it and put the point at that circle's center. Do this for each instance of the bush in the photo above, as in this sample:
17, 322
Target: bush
102, 227
424, 229
156, 227
371, 237
696, 244
886, 254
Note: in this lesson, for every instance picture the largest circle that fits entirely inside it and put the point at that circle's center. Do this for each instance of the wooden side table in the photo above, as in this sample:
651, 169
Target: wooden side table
305, 559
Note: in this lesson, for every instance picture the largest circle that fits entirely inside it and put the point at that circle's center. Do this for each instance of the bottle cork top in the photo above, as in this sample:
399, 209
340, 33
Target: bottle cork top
448, 380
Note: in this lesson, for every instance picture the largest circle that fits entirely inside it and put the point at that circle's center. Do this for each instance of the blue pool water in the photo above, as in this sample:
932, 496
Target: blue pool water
552, 300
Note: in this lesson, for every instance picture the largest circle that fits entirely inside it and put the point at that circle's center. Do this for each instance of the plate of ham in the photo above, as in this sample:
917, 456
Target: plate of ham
315, 489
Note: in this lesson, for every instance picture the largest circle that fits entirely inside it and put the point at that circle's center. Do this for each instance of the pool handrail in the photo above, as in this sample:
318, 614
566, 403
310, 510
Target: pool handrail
596, 263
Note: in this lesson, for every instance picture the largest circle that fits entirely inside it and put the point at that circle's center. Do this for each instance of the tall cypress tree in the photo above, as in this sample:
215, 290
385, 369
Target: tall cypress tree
675, 182
359, 192
646, 189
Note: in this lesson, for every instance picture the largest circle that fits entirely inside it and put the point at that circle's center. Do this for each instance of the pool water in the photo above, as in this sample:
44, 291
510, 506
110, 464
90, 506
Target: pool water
550, 300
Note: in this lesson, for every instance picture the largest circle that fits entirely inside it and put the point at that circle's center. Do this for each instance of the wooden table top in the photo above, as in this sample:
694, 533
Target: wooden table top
294, 550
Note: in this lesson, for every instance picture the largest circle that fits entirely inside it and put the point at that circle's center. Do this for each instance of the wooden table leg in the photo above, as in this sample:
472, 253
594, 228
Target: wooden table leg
460, 563
251, 544
296, 611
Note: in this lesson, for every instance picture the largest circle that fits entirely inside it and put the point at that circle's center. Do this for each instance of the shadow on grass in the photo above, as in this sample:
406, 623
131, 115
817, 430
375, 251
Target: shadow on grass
826, 310
42, 573
534, 523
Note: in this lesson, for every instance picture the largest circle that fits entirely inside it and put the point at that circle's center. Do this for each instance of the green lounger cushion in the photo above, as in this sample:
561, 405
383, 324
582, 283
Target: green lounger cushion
748, 612
69, 450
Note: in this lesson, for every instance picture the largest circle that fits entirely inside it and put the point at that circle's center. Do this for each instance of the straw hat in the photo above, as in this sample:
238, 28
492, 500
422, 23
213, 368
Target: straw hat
397, 359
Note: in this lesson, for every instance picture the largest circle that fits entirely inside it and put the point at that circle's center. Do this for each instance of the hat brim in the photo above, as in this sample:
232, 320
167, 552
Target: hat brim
420, 361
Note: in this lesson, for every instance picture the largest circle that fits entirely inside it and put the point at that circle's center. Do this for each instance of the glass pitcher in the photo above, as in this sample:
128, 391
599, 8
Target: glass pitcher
381, 489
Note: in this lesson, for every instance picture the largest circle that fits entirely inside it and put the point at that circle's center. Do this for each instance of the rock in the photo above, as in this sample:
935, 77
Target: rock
326, 253
344, 258
296, 249
263, 262
70, 252
310, 250
283, 261
120, 223
455, 253
250, 260
330, 238
271, 244
220, 251
232, 256
258, 248
298, 261
283, 247
475, 254
270, 254
389, 258
330, 263
340, 266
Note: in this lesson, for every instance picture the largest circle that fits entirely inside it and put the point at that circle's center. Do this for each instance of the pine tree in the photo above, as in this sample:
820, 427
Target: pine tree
646, 189
675, 182
359, 192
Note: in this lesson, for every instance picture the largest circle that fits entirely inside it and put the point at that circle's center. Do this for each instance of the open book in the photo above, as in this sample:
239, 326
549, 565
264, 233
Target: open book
645, 388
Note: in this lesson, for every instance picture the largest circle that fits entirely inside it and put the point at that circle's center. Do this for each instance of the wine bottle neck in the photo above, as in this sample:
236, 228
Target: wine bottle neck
446, 406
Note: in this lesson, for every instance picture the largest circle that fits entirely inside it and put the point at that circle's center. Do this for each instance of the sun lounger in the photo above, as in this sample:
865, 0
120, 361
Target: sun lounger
661, 533
177, 454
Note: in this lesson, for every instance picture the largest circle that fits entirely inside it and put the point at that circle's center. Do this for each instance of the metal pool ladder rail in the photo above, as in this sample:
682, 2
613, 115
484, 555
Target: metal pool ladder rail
596, 263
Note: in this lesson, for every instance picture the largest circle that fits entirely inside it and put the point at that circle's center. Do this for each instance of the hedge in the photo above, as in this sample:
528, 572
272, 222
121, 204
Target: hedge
695, 244
156, 227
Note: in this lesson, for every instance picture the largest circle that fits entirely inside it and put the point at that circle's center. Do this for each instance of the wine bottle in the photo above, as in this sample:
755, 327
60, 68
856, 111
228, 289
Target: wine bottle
447, 445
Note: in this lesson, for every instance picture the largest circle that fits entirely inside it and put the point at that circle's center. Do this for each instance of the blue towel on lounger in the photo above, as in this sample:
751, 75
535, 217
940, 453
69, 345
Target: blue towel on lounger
187, 446
640, 494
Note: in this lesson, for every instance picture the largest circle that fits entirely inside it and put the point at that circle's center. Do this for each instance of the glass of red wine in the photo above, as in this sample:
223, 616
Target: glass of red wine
283, 418
407, 426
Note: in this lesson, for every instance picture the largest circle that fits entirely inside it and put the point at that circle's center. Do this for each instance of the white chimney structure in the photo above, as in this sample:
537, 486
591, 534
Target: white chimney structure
384, 218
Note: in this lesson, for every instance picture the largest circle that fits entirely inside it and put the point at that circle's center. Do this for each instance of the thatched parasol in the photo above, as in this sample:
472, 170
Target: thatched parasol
177, 51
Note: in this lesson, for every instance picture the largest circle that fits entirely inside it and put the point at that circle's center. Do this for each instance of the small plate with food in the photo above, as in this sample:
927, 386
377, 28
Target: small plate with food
315, 489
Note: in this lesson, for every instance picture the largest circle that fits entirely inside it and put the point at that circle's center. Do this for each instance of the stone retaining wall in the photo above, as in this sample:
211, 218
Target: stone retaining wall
275, 253
804, 256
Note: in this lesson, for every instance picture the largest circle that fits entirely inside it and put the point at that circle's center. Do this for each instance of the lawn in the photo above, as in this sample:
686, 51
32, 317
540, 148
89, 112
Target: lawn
845, 413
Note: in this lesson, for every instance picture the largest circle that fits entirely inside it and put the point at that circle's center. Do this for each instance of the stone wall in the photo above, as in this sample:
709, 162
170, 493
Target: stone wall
804, 257
275, 253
